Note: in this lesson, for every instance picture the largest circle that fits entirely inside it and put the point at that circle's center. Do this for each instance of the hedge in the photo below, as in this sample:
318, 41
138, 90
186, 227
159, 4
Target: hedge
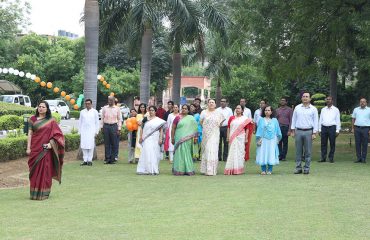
10, 122
15, 109
14, 148
74, 114
346, 118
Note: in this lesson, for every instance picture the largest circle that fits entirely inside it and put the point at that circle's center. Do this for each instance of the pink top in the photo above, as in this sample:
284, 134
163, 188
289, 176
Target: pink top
111, 115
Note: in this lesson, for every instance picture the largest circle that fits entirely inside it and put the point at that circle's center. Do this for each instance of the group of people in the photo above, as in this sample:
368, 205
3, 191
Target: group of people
189, 133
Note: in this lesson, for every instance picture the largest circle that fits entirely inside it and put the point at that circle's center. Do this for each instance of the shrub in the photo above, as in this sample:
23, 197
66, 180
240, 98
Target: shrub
10, 122
74, 114
13, 148
15, 109
318, 96
346, 118
72, 142
57, 117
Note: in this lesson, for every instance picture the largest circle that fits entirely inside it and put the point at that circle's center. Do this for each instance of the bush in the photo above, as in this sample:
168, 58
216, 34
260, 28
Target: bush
13, 148
318, 96
10, 122
346, 118
319, 102
15, 109
74, 114
57, 117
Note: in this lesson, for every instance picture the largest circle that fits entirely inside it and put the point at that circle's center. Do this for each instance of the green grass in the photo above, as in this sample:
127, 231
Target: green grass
112, 202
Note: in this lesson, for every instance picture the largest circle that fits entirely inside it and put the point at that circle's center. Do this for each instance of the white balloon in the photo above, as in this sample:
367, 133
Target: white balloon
11, 70
5, 70
99, 77
33, 76
28, 75
21, 74
16, 72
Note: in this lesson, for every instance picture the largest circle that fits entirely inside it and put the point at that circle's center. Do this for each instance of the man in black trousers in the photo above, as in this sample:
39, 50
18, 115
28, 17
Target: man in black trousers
329, 127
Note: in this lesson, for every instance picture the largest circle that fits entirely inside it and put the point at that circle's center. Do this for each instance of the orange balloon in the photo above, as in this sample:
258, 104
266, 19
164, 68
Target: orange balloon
112, 94
105, 83
49, 85
56, 89
37, 79
102, 79
68, 97
72, 101
135, 126
63, 94
129, 126
42, 84
108, 85
75, 106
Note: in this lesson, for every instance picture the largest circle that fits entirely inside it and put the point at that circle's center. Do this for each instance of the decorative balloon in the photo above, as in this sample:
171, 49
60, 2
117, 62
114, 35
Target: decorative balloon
42, 84
63, 94
56, 90
72, 101
37, 79
67, 97
49, 85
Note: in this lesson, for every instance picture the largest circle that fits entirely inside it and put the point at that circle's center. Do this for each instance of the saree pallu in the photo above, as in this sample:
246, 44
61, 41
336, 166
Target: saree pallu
236, 156
196, 145
45, 164
139, 118
186, 130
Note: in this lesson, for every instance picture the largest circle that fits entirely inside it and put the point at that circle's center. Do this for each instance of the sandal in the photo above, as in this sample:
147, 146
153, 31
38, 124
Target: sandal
269, 173
263, 173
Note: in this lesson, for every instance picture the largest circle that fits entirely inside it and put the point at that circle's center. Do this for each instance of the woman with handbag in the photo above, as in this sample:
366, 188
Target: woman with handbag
268, 136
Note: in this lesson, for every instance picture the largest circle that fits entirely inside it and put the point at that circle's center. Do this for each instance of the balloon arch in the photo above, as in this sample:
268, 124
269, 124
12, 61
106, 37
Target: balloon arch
49, 85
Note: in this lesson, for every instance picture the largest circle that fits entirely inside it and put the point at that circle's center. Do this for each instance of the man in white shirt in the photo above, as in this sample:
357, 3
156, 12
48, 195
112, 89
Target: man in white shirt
329, 126
227, 113
304, 127
88, 127
257, 113
246, 112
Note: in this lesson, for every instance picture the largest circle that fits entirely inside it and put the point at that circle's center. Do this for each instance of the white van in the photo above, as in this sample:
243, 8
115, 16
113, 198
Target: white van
17, 99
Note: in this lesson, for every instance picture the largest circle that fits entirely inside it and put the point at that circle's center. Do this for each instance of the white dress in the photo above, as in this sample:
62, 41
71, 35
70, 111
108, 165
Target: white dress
170, 119
151, 150
210, 141
88, 125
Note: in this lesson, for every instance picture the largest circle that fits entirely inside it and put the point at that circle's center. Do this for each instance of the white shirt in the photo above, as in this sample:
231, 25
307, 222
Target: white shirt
257, 115
305, 117
227, 113
329, 117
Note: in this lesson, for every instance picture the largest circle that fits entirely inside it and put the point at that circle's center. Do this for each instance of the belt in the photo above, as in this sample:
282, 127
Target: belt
328, 126
110, 124
224, 126
305, 129
362, 126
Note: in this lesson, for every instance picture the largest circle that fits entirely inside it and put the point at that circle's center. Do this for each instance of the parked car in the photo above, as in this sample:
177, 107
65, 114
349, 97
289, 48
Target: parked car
125, 111
60, 107
17, 99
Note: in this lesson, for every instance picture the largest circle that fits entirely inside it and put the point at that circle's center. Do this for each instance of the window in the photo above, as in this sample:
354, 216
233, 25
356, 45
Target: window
62, 104
16, 100
21, 100
27, 99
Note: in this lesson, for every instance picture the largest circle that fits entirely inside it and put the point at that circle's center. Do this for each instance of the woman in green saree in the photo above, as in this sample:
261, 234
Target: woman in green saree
184, 132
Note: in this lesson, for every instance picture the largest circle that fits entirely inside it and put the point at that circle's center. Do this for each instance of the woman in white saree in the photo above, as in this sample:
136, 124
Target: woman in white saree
151, 140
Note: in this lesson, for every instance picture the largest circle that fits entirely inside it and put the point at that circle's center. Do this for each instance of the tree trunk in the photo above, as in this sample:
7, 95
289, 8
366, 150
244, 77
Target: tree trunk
333, 84
218, 92
91, 49
176, 72
146, 62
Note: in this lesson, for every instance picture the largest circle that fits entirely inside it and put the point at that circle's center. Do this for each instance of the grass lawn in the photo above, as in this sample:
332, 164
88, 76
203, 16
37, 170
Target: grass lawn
112, 202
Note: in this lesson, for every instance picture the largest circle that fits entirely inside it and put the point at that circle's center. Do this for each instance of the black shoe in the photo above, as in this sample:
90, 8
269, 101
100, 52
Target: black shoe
331, 160
89, 164
280, 158
83, 164
322, 160
358, 161
297, 171
306, 172
283, 159
108, 162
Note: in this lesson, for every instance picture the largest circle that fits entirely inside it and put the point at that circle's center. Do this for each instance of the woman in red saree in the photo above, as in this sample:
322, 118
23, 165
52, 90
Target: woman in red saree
45, 147
238, 135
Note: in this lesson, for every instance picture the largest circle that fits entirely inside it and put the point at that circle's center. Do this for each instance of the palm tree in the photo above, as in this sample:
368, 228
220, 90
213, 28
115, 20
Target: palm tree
91, 18
189, 22
133, 21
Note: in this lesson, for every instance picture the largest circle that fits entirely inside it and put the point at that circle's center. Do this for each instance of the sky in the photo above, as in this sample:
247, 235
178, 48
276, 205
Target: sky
49, 16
